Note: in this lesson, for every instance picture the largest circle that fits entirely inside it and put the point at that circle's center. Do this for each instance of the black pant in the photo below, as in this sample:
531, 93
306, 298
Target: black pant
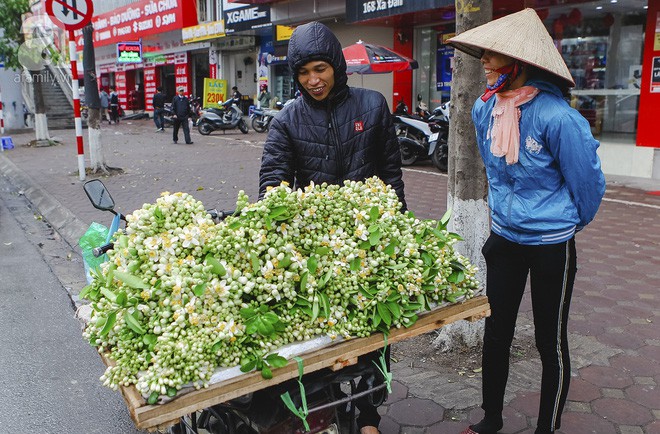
114, 113
552, 269
183, 122
158, 117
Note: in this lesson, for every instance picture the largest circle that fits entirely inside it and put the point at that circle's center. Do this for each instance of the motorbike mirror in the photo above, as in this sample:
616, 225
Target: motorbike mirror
419, 97
99, 195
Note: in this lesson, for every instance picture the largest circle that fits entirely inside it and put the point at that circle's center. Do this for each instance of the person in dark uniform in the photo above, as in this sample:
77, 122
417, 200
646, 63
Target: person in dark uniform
181, 113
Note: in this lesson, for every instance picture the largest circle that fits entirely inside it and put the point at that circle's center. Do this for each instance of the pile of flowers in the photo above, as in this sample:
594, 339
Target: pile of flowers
181, 295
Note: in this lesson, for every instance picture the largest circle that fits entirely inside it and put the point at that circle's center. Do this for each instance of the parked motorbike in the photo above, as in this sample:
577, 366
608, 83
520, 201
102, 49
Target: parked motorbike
227, 117
421, 138
328, 395
195, 109
261, 118
168, 115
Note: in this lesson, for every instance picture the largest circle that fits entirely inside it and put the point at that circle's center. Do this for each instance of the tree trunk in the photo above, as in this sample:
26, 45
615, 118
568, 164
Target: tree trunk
96, 154
40, 119
467, 185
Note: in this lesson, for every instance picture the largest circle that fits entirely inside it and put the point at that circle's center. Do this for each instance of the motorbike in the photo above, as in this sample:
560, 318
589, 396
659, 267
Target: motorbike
195, 109
261, 118
227, 117
328, 395
422, 137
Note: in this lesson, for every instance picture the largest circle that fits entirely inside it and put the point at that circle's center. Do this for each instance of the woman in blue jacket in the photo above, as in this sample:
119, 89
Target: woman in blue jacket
545, 184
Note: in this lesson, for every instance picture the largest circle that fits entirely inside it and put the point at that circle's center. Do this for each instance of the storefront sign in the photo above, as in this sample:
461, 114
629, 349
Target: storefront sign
283, 33
247, 18
129, 52
655, 77
203, 32
140, 19
121, 87
656, 41
181, 74
444, 60
364, 10
215, 92
150, 85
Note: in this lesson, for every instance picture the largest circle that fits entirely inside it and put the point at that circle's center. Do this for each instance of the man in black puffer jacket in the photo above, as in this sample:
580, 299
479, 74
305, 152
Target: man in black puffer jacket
331, 134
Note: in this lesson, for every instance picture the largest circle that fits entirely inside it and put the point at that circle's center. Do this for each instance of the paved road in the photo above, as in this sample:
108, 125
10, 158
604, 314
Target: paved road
614, 328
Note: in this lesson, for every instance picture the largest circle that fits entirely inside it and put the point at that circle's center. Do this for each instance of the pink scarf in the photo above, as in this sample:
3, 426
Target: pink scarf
505, 128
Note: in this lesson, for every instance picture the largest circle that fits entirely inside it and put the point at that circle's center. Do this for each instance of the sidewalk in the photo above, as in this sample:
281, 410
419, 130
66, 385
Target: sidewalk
615, 315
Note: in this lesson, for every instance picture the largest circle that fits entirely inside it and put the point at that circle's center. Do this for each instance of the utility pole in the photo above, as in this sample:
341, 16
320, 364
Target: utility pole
467, 185
96, 155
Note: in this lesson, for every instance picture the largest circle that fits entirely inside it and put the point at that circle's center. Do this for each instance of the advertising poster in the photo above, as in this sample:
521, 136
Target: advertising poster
656, 41
655, 76
215, 91
444, 64
150, 85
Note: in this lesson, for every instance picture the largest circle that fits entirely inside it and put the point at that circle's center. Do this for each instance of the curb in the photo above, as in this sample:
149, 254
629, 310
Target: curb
70, 227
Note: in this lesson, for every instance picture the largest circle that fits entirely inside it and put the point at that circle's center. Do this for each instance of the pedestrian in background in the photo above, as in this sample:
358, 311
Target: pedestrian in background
105, 103
236, 94
181, 113
159, 107
264, 97
545, 184
114, 105
331, 134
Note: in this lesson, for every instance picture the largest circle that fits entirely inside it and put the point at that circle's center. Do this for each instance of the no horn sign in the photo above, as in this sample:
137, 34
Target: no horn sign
70, 14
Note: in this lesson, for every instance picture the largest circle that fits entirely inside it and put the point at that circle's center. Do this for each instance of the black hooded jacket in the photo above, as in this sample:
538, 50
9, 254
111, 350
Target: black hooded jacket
347, 136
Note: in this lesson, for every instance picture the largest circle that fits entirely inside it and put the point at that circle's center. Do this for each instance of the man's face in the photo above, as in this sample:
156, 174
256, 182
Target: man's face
181, 91
317, 78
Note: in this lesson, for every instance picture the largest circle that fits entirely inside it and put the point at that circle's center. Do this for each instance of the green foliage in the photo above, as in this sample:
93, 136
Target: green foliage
10, 23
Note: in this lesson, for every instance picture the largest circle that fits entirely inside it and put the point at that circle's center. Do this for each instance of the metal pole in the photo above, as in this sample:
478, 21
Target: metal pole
73, 55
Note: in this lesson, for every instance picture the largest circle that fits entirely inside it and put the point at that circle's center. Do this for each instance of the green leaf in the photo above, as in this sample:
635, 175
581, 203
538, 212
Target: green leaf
266, 373
374, 213
325, 304
356, 263
235, 224
326, 277
247, 312
108, 294
315, 310
150, 339
216, 347
153, 398
251, 327
130, 280
254, 260
84, 293
158, 213
445, 219
303, 281
199, 289
458, 266
389, 250
312, 264
427, 258
384, 313
133, 323
264, 327
216, 266
395, 309
376, 317
276, 361
456, 277
123, 241
248, 365
285, 262
365, 245
374, 237
109, 324
277, 211
400, 266
121, 299
171, 392
323, 250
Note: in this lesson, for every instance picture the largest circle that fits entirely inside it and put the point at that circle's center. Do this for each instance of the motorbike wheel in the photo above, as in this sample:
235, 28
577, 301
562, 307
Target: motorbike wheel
408, 148
259, 125
440, 156
204, 129
242, 125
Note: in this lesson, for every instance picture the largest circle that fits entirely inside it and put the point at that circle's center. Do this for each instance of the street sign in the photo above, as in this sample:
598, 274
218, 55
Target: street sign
70, 14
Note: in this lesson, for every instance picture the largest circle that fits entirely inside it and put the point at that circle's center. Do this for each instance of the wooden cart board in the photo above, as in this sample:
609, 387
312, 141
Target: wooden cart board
334, 356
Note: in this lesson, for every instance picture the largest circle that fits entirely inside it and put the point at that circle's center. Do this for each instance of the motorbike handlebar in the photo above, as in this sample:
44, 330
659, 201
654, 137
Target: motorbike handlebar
99, 251
219, 215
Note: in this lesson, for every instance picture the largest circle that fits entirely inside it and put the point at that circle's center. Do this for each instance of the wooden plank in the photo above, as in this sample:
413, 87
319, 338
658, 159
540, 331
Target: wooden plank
152, 417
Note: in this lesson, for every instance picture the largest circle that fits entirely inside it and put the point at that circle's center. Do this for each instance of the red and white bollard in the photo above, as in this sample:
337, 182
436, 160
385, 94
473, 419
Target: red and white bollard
2, 123
73, 55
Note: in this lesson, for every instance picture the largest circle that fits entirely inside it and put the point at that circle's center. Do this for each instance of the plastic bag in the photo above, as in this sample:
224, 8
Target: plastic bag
95, 236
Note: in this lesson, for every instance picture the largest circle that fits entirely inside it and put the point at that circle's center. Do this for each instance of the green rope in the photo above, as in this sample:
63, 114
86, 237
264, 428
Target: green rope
299, 412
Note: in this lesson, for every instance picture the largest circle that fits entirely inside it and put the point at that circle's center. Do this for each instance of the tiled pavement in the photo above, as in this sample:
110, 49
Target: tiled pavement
615, 315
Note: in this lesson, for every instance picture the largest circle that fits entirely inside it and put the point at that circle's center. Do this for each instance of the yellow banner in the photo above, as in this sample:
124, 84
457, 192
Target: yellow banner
215, 92
202, 32
283, 33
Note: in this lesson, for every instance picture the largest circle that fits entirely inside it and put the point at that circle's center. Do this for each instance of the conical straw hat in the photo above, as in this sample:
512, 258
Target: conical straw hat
522, 36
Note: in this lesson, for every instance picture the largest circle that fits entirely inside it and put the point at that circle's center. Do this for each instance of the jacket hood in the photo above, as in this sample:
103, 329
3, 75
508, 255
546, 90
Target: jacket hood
315, 41
544, 86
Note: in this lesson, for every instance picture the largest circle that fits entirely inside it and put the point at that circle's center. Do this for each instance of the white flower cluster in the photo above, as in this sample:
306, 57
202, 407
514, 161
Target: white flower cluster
181, 295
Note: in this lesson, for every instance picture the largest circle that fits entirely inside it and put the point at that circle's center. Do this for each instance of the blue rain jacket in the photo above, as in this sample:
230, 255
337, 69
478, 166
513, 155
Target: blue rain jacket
557, 184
